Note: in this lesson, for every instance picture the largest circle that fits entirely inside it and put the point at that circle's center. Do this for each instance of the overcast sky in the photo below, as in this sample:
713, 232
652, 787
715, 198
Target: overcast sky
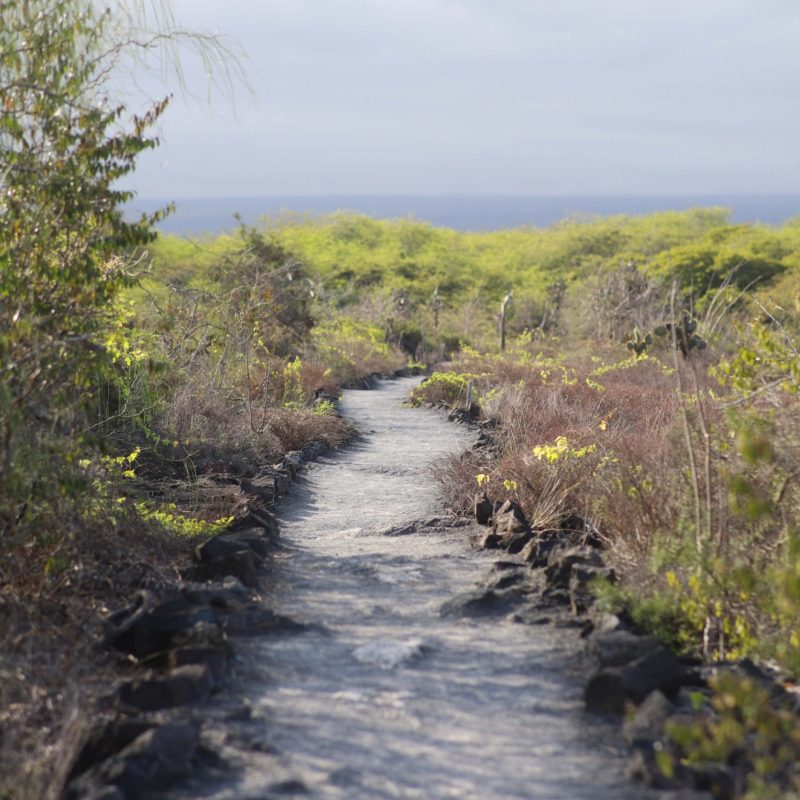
492, 96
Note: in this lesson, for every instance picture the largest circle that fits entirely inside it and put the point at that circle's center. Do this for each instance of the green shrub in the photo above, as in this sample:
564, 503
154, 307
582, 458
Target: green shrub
449, 388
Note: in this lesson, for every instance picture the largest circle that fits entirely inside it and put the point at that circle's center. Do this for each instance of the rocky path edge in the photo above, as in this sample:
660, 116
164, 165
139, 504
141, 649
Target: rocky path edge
633, 676
178, 648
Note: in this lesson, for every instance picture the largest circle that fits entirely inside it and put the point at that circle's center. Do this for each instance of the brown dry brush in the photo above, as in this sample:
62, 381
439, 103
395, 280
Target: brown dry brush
626, 427
56, 591
51, 617
670, 466
57, 586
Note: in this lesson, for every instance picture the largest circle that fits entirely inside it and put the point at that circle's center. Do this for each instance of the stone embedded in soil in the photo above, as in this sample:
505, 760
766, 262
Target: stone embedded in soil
187, 684
481, 603
508, 578
227, 595
515, 542
482, 508
144, 629
257, 516
201, 634
228, 543
648, 721
257, 620
532, 615
265, 487
611, 689
258, 540
484, 540
508, 521
314, 450
293, 462
537, 551
399, 530
215, 657
155, 759
465, 415
561, 560
503, 566
614, 648
241, 564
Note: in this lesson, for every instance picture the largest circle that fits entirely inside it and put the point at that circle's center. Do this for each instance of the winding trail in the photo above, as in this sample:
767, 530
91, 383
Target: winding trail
383, 697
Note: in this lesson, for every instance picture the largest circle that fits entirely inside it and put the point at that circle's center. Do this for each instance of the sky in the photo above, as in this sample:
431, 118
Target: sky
534, 97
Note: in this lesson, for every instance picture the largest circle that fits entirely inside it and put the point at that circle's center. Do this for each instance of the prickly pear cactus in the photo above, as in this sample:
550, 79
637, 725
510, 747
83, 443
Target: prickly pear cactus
638, 344
683, 334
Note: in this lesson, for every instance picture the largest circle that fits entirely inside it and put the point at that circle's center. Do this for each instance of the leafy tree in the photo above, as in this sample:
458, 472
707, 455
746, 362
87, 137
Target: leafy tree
64, 145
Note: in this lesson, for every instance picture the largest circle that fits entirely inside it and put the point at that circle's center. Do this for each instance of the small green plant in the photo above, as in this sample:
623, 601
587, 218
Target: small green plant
742, 726
171, 520
324, 407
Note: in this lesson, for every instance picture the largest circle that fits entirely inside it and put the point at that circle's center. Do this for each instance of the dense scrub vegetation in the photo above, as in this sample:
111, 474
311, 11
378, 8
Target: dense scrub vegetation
441, 287
650, 386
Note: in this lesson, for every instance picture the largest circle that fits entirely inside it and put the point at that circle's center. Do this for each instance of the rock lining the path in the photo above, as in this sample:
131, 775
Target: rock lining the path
180, 651
633, 676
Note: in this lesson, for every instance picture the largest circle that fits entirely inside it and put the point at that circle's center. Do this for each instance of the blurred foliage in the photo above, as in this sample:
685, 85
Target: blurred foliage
742, 728
431, 286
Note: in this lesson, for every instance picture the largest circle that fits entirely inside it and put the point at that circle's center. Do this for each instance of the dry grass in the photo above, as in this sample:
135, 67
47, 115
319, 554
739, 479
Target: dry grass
221, 429
615, 433
295, 429
691, 484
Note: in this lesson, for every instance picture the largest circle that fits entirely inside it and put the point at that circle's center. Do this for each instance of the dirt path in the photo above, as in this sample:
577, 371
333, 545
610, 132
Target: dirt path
383, 697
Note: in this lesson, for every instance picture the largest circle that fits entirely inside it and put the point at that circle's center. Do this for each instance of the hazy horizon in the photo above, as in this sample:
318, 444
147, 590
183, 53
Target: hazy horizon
464, 211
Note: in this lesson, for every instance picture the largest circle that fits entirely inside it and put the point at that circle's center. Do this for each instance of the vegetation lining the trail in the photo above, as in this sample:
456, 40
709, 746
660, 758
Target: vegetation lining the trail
685, 458
122, 427
650, 387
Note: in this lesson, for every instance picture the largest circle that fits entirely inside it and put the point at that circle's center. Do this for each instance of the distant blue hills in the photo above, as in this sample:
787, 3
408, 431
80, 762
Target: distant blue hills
462, 212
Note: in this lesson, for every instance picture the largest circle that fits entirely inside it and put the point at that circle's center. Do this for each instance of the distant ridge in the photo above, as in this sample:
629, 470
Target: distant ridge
463, 212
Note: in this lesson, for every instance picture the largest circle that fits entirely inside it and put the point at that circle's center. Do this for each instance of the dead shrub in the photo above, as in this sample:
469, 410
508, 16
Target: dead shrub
295, 429
613, 304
